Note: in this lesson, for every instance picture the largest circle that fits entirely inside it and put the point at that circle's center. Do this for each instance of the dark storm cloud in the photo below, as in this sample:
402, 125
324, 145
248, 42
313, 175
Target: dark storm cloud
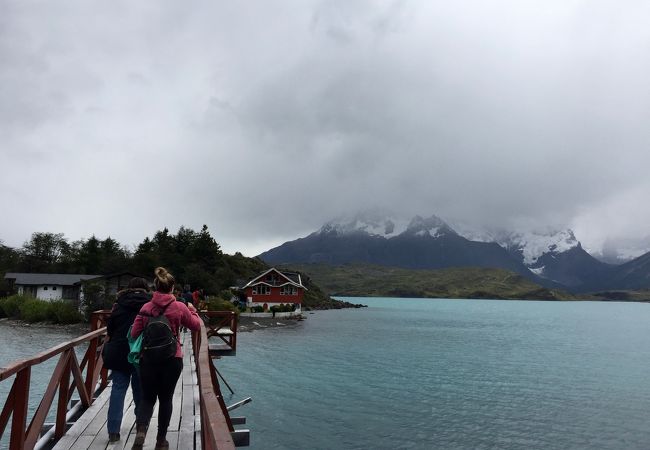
264, 122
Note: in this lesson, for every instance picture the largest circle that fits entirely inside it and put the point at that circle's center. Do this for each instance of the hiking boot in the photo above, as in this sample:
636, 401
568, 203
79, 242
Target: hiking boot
113, 437
162, 445
140, 435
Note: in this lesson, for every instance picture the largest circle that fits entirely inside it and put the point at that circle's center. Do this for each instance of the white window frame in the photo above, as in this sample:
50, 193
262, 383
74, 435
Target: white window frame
261, 287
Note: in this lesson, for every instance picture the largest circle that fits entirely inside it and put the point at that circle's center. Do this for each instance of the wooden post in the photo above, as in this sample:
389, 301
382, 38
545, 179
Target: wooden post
90, 366
62, 407
21, 401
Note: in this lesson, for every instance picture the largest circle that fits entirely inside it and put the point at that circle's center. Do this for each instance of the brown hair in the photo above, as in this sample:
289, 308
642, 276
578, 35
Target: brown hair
164, 281
138, 283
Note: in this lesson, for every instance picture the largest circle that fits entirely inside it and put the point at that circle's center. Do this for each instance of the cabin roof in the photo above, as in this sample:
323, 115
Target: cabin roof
292, 278
56, 279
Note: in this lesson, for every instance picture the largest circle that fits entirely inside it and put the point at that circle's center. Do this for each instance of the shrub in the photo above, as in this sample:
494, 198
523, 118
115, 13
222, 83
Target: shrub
257, 309
10, 306
217, 304
34, 311
226, 294
64, 312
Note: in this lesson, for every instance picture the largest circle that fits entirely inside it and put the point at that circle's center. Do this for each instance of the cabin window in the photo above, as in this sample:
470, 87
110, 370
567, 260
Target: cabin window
288, 290
45, 288
261, 289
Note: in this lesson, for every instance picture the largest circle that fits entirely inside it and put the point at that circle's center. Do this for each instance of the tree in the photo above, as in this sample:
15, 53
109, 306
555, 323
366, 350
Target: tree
43, 252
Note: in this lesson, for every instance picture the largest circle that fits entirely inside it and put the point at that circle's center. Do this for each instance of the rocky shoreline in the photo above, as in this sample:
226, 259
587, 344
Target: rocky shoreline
248, 324
81, 327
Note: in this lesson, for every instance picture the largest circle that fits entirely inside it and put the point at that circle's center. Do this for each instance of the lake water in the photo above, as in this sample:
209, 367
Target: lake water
449, 374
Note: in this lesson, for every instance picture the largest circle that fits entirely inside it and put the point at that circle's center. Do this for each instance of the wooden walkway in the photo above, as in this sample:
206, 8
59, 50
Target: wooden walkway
89, 432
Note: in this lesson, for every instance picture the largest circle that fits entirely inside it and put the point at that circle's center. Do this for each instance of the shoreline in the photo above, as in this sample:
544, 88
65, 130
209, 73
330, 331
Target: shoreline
83, 327
250, 324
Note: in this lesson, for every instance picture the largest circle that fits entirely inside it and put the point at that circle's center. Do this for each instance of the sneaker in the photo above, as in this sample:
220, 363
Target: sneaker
113, 437
162, 445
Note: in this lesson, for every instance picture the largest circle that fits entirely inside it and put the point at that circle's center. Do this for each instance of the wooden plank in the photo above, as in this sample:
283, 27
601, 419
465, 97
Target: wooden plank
197, 404
79, 428
172, 438
83, 442
98, 422
174, 421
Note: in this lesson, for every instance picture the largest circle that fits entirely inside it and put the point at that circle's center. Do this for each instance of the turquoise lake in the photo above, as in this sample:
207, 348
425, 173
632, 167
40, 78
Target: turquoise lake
449, 374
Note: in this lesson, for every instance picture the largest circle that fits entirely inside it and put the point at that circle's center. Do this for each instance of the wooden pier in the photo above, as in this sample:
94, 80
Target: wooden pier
200, 417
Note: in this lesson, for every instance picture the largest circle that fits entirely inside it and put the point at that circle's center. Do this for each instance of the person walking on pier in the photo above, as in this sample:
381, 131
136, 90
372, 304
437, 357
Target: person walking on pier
161, 362
116, 350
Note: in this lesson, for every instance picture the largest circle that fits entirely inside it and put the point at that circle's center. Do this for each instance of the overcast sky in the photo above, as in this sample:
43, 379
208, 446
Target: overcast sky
265, 119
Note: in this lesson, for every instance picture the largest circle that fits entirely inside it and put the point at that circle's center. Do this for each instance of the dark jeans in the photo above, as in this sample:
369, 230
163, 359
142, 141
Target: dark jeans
118, 392
158, 381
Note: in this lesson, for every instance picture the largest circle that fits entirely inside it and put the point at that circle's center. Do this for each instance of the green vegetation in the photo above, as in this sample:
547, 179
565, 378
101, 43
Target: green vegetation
31, 310
623, 296
360, 280
194, 257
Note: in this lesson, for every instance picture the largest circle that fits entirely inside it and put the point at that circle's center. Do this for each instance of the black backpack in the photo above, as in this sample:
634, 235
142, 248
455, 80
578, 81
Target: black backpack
158, 339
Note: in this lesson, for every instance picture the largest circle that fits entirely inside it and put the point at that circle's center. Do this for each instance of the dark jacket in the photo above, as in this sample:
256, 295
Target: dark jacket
125, 309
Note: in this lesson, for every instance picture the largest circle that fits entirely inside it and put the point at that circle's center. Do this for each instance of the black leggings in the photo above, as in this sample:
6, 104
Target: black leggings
158, 381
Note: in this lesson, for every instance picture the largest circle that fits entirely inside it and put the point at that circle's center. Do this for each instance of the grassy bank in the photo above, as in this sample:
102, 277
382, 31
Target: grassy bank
32, 310
361, 280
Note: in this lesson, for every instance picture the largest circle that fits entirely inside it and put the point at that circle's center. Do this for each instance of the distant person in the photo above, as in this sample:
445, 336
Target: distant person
196, 296
179, 296
116, 351
187, 294
160, 369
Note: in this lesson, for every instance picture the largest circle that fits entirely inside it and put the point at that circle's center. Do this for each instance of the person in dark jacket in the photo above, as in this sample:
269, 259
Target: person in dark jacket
116, 351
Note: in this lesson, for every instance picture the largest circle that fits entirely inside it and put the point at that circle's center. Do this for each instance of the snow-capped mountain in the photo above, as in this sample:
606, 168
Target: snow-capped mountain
555, 255
528, 245
374, 223
416, 243
549, 257
534, 244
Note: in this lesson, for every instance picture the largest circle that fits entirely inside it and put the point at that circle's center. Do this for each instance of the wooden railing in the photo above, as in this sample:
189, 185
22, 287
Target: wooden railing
222, 324
216, 426
25, 436
217, 430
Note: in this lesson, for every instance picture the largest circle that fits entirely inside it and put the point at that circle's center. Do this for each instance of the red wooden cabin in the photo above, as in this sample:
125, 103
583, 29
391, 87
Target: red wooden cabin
273, 288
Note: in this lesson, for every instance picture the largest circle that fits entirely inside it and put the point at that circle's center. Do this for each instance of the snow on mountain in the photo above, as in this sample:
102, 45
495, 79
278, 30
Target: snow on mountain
388, 226
374, 223
529, 244
432, 226
534, 244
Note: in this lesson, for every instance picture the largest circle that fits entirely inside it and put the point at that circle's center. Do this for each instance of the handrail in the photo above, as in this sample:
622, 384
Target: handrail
25, 436
68, 376
216, 425
228, 320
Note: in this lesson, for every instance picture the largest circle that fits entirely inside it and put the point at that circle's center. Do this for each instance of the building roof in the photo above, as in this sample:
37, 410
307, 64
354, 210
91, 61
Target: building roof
55, 279
290, 277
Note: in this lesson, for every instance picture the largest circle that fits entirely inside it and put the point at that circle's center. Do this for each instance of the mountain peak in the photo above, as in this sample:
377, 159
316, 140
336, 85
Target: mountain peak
373, 222
432, 226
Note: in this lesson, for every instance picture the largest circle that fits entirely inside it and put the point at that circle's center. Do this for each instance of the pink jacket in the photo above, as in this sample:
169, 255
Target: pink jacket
177, 313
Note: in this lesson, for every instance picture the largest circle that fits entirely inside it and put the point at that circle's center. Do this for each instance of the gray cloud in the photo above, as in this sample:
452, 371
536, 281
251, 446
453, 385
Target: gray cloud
265, 122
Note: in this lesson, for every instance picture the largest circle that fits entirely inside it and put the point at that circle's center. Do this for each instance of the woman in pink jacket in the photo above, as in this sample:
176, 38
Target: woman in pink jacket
158, 378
